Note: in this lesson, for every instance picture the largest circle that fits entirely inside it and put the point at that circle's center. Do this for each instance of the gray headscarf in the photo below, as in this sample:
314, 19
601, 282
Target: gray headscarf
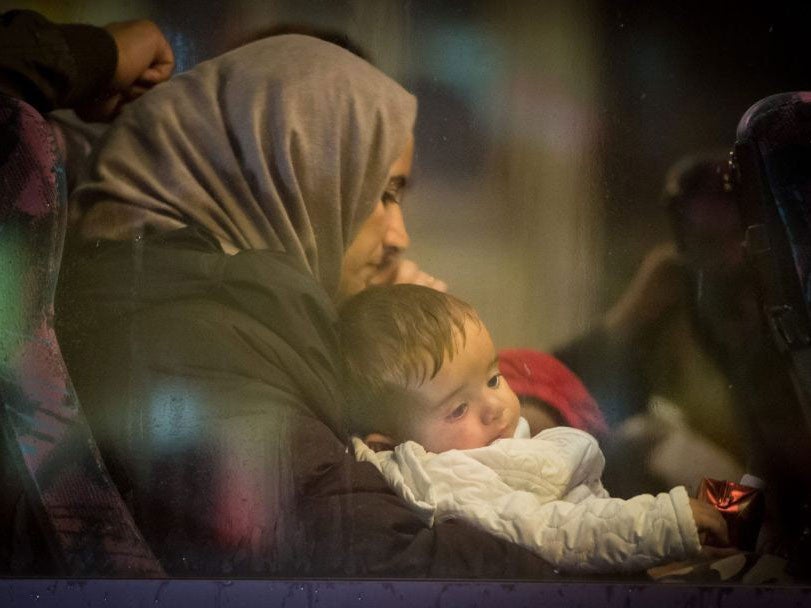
283, 144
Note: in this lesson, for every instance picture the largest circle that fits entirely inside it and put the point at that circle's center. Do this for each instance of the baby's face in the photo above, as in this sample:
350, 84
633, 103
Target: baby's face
467, 404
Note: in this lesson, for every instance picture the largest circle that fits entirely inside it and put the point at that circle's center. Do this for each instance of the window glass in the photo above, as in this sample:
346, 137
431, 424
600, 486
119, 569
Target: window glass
549, 190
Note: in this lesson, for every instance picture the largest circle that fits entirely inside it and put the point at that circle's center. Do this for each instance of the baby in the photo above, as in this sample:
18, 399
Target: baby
438, 420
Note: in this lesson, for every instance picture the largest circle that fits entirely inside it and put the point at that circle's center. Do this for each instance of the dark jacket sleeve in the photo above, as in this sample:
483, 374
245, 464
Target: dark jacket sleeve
51, 65
613, 370
381, 536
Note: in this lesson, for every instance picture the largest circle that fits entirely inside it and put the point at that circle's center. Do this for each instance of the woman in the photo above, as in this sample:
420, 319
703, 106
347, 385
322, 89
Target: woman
226, 212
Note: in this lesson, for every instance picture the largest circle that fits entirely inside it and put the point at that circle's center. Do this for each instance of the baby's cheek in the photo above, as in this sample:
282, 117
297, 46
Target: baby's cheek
473, 438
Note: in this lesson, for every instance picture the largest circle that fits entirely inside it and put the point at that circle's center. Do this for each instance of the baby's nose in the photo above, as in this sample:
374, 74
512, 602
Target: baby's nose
492, 412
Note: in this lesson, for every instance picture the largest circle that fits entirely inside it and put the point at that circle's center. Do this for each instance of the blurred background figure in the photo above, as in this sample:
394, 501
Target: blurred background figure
689, 313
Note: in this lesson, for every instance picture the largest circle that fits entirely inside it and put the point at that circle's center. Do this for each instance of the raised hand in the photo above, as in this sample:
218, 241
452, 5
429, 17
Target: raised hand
657, 288
144, 60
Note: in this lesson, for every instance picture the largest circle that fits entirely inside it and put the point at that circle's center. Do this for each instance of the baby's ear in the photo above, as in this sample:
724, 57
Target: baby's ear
379, 442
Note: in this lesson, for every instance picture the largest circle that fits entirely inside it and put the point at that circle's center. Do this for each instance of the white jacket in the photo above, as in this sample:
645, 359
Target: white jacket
543, 493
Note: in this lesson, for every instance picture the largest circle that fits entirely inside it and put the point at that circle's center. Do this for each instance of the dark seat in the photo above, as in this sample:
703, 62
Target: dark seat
772, 159
47, 443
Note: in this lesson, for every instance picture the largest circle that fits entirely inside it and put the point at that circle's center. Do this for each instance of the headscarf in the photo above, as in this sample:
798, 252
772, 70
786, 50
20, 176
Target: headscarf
531, 373
283, 144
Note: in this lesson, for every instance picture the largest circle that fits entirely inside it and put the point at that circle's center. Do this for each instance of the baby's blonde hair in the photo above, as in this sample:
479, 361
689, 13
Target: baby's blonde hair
394, 338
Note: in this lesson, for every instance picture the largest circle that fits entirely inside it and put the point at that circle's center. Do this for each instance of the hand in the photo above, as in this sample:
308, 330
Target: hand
406, 271
657, 287
409, 272
144, 60
712, 527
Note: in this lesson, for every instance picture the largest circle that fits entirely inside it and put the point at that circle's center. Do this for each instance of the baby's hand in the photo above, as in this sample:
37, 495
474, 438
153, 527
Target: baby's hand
712, 528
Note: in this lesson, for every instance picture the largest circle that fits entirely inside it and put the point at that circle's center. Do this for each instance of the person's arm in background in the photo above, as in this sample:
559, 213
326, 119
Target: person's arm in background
91, 69
610, 359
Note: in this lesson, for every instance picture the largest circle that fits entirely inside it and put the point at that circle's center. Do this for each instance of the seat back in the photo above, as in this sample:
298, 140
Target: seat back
46, 437
772, 160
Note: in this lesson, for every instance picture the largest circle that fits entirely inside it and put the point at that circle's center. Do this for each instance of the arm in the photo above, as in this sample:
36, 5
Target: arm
532, 502
51, 65
610, 534
611, 358
382, 536
89, 68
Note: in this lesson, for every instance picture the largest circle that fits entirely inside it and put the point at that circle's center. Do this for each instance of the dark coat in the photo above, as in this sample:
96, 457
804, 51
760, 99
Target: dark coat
211, 384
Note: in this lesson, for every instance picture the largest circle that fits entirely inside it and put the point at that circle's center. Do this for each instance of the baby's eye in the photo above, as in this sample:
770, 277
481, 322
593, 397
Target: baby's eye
458, 412
495, 381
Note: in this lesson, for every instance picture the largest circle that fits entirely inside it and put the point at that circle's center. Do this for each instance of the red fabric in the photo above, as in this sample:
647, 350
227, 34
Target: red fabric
531, 373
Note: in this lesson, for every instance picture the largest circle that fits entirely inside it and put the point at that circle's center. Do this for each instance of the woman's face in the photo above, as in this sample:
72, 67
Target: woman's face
373, 255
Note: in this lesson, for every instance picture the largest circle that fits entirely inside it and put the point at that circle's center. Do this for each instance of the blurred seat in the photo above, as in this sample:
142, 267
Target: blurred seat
772, 163
47, 443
